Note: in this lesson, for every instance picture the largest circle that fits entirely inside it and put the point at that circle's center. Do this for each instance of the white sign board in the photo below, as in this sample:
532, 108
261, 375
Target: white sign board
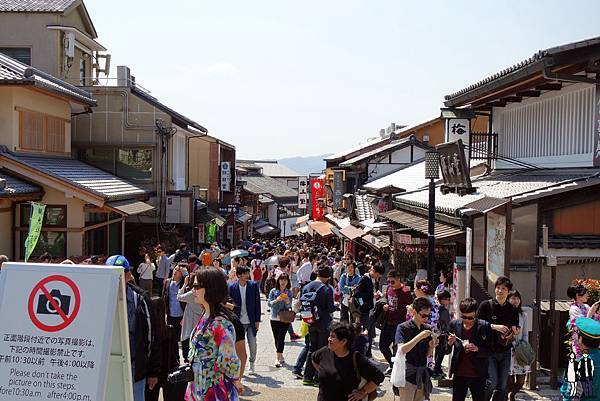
302, 192
225, 176
56, 332
458, 128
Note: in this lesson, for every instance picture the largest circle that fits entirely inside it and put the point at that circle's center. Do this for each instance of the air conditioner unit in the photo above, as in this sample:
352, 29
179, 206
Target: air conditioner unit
172, 209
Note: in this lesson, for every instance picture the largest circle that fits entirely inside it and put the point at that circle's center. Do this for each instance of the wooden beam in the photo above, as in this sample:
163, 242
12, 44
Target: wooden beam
549, 87
529, 93
512, 99
497, 104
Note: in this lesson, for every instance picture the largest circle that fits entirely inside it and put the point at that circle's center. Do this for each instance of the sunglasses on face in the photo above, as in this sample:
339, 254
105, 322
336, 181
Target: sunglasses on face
468, 317
425, 315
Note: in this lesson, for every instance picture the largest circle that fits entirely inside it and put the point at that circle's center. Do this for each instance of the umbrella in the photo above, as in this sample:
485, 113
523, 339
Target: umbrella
239, 253
272, 261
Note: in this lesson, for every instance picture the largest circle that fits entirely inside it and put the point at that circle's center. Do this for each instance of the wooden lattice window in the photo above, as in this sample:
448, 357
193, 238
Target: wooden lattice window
41, 132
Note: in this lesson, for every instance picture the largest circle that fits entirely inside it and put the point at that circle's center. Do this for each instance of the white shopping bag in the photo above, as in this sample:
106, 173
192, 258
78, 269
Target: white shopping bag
398, 377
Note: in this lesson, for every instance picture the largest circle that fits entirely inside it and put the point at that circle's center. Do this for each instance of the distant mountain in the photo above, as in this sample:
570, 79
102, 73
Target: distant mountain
306, 165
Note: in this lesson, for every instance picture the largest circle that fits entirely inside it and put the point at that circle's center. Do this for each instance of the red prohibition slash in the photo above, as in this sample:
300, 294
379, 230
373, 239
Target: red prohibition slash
41, 286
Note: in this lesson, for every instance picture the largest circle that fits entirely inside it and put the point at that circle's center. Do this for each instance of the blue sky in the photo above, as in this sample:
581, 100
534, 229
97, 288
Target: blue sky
280, 78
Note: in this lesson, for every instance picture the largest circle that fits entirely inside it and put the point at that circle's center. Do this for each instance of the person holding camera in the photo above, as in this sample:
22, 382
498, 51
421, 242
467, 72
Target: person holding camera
144, 340
470, 339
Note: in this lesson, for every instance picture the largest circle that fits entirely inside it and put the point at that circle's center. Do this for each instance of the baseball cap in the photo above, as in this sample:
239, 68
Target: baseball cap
118, 260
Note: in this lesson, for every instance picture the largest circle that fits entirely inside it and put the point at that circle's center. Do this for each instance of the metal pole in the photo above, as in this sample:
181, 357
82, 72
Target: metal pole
431, 233
535, 343
469, 262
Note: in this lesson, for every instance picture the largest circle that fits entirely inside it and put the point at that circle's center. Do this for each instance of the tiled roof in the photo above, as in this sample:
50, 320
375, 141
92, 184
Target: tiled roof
540, 55
392, 146
408, 178
10, 186
518, 185
357, 148
260, 184
364, 209
274, 169
15, 72
47, 6
80, 174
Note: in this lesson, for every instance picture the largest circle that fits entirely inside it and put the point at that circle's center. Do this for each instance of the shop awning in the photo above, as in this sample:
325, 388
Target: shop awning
302, 230
130, 207
421, 224
266, 229
243, 216
220, 221
302, 219
322, 228
379, 242
352, 232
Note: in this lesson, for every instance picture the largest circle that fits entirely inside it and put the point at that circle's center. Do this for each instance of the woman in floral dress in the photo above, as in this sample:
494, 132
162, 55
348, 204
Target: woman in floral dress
212, 344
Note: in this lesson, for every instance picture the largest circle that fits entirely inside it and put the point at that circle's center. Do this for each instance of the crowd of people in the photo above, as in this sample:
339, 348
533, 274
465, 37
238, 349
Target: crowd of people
193, 322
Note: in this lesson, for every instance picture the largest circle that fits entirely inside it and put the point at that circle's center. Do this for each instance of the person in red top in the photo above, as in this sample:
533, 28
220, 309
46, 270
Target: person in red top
398, 297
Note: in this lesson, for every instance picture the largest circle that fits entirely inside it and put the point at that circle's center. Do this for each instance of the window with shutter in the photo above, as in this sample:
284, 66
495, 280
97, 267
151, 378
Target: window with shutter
40, 132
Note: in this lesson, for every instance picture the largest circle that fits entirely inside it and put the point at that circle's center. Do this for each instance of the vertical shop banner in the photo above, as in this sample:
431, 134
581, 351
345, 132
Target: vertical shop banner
225, 176
339, 189
302, 192
495, 246
35, 228
317, 186
212, 230
201, 233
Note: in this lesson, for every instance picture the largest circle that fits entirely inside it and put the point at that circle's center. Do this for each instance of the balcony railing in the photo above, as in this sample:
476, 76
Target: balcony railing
483, 146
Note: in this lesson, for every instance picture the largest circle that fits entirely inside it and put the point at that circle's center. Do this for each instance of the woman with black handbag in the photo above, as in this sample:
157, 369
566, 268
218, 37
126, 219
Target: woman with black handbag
280, 301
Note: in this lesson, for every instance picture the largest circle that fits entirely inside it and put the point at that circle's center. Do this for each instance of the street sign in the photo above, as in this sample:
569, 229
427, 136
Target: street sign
64, 333
454, 167
231, 208
59, 305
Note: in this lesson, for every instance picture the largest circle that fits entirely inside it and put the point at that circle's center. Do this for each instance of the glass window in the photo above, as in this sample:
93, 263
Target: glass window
134, 164
95, 218
95, 241
22, 54
54, 216
103, 158
81, 72
478, 246
53, 242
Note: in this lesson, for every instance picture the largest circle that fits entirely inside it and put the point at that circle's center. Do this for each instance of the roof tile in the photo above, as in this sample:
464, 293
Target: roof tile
54, 6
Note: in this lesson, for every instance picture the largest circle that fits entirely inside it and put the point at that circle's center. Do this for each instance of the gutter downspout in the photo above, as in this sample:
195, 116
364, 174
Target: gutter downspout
556, 76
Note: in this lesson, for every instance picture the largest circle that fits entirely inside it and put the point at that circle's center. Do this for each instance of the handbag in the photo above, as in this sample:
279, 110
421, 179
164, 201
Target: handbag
362, 381
398, 376
287, 316
182, 374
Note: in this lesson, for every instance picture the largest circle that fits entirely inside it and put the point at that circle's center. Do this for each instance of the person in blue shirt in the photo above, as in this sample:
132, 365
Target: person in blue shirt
173, 307
349, 279
583, 374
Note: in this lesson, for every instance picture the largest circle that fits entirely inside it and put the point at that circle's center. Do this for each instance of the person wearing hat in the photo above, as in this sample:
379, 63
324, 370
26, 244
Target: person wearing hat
319, 331
143, 340
578, 384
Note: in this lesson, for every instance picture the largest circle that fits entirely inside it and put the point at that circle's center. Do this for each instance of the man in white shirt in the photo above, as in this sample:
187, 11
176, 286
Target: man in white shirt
306, 270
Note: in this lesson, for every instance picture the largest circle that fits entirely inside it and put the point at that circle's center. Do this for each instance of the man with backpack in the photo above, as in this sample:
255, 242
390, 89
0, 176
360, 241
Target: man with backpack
504, 320
316, 310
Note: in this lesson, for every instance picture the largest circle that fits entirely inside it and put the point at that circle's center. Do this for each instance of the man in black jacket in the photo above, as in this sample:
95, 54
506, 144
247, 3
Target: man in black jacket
503, 317
364, 295
470, 339
143, 340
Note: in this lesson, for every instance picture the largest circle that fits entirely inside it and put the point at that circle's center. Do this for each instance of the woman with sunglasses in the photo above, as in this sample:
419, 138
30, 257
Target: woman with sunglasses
212, 344
471, 340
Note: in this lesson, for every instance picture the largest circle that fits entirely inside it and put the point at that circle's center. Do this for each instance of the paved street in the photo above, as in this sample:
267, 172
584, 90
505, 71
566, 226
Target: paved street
271, 383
